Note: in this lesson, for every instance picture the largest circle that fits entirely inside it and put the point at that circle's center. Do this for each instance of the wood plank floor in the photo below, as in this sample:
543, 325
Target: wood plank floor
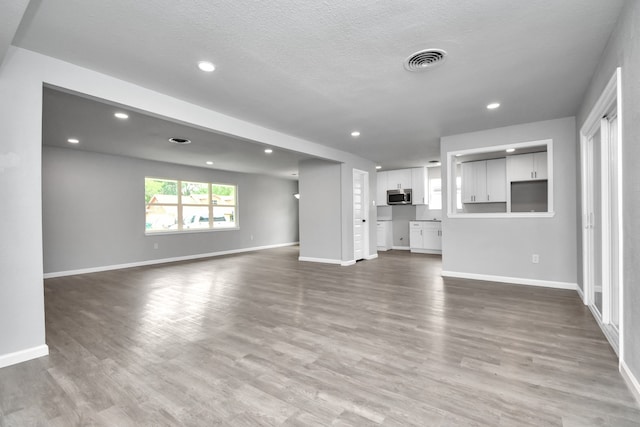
262, 339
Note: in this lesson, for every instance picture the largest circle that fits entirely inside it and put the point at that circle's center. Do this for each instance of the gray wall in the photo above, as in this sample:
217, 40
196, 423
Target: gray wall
503, 246
623, 50
93, 211
326, 218
401, 217
320, 210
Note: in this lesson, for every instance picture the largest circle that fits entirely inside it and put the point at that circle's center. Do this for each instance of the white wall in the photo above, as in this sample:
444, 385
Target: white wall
93, 211
623, 50
503, 246
22, 75
22, 334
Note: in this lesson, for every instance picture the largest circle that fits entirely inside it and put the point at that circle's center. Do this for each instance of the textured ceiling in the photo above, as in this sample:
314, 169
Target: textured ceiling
319, 70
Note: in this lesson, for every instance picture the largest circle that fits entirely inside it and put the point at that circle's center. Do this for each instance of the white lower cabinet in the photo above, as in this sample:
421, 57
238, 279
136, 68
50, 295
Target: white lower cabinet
425, 237
385, 235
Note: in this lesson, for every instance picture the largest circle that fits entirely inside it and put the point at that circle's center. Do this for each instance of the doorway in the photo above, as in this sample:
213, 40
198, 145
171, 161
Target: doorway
360, 214
602, 212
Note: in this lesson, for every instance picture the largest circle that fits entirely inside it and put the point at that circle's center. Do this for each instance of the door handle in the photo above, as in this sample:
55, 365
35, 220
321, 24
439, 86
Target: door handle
364, 220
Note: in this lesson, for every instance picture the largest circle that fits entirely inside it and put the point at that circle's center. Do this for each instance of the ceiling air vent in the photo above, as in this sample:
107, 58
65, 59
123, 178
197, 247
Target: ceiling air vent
425, 59
180, 141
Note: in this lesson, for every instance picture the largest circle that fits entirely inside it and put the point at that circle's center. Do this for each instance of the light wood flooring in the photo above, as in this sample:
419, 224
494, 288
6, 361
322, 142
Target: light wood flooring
263, 339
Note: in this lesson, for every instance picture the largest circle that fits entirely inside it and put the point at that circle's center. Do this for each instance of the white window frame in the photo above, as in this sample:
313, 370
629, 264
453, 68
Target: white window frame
452, 175
180, 208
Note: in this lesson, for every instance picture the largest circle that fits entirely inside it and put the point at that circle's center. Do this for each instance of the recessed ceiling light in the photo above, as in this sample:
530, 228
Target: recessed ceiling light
510, 150
268, 150
180, 141
206, 66
73, 141
209, 162
493, 105
355, 134
458, 155
122, 116
378, 167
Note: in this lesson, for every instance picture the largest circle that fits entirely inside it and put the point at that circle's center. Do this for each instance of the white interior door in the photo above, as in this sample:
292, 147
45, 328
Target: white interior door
360, 203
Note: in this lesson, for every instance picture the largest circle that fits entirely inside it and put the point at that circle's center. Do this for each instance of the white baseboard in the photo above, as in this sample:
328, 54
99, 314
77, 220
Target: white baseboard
426, 251
321, 260
162, 261
400, 248
631, 380
23, 355
512, 280
581, 294
383, 248
335, 261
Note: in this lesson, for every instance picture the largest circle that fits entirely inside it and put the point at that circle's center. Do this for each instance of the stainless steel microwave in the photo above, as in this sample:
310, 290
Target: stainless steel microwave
399, 197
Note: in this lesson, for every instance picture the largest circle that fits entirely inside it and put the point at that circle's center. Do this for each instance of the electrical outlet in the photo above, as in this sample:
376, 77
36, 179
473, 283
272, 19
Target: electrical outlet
535, 258
252, 237
155, 246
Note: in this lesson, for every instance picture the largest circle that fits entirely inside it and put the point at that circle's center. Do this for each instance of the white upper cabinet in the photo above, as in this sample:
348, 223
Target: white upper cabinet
381, 193
474, 182
497, 180
415, 179
419, 186
484, 181
399, 179
527, 167
540, 165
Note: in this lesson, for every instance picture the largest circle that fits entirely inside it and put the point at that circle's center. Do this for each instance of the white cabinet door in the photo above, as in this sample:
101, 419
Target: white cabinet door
540, 165
381, 193
425, 237
468, 182
474, 182
497, 180
527, 167
432, 236
419, 186
415, 235
520, 167
399, 179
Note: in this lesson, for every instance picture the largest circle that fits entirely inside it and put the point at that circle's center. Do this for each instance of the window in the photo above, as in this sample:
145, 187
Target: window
435, 188
174, 205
